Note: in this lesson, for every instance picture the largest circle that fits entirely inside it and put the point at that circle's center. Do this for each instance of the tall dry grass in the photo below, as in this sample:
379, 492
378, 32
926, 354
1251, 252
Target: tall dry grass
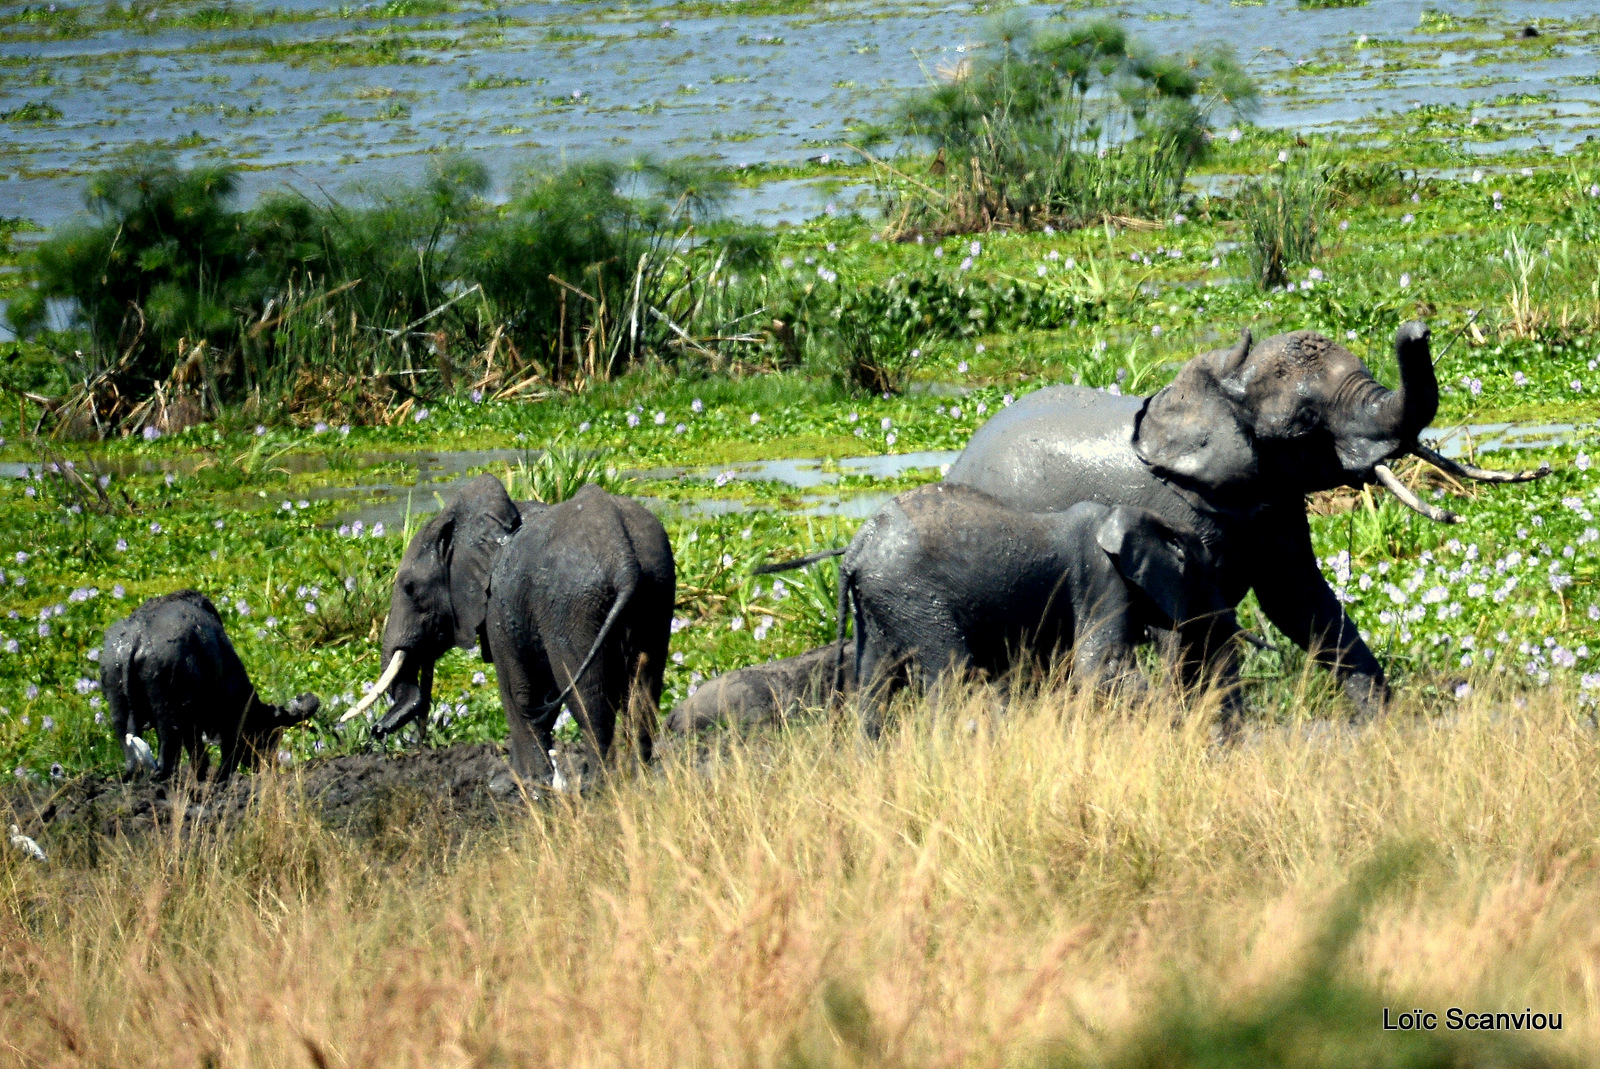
1067, 884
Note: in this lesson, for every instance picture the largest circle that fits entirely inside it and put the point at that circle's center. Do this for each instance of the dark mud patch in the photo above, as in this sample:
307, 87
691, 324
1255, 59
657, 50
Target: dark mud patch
371, 796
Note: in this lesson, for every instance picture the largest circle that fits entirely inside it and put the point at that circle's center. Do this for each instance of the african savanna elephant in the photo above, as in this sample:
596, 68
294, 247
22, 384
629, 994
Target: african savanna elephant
946, 577
440, 597
579, 612
1230, 449
762, 695
170, 665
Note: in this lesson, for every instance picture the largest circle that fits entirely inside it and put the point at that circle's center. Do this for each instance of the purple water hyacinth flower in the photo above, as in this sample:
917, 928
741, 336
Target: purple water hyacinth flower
151, 434
377, 530
479, 679
31, 692
420, 415
477, 397
319, 428
633, 419
155, 528
118, 591
660, 419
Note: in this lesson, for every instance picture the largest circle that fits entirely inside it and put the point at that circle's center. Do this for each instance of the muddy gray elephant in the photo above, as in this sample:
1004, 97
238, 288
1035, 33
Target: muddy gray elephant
440, 597
170, 665
579, 613
947, 578
764, 695
1229, 450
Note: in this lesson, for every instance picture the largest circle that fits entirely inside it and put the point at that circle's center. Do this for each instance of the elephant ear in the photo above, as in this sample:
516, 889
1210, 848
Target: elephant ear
1150, 555
1193, 430
484, 519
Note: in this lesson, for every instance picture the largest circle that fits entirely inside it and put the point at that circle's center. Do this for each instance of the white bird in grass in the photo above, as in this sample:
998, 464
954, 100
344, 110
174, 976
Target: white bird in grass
557, 781
139, 751
25, 844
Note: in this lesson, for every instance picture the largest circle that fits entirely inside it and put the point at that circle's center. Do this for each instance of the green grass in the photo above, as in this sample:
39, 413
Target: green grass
1130, 312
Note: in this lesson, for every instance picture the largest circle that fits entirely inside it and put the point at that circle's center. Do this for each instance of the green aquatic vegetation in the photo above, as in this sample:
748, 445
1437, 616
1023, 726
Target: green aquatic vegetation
1284, 216
34, 111
1025, 135
499, 81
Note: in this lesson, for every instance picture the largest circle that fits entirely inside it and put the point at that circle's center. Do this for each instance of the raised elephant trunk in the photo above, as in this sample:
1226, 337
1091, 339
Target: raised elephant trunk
1405, 411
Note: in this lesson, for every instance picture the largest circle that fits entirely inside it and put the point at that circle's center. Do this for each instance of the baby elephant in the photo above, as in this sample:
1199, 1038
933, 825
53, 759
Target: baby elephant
170, 665
947, 576
763, 694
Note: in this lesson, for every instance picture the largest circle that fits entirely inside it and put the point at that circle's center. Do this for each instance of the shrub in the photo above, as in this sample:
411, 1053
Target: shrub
344, 310
1065, 126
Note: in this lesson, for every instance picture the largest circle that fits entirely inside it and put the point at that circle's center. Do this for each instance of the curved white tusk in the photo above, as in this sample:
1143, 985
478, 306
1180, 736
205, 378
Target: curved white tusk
1409, 499
1483, 475
377, 688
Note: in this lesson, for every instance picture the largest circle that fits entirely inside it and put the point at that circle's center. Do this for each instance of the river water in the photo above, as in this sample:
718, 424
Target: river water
319, 97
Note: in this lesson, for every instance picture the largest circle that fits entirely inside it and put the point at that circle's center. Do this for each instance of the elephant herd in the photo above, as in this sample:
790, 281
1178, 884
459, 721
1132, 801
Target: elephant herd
1076, 523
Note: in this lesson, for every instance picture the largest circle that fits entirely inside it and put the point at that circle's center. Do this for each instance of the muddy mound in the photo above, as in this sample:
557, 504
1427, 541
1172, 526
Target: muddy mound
467, 784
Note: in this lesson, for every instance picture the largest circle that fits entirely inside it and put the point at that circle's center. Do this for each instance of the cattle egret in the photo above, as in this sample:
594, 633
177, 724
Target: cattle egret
139, 752
25, 844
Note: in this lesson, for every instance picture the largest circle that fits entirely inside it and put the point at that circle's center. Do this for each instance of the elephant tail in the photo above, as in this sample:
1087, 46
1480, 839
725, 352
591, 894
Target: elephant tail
798, 562
624, 595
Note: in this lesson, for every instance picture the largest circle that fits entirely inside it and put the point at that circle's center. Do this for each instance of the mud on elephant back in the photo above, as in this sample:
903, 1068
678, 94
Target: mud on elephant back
1229, 450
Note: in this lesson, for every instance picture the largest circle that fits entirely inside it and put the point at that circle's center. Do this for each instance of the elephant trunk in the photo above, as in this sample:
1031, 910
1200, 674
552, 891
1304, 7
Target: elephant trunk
1404, 412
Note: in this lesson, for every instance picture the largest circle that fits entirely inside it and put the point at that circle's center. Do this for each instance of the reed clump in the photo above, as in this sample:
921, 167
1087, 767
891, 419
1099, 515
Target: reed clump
977, 889
1062, 126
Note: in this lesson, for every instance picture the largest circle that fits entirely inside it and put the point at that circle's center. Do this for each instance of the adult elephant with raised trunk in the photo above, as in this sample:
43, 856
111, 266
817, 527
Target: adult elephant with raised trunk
440, 598
1229, 450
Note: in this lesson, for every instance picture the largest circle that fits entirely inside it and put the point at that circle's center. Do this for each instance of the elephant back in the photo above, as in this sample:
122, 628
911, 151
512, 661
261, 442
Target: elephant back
1066, 444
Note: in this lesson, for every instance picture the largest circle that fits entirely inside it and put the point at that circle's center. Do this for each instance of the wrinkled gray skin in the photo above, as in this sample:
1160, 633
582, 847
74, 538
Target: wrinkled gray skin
441, 592
763, 695
593, 573
170, 666
947, 577
1228, 450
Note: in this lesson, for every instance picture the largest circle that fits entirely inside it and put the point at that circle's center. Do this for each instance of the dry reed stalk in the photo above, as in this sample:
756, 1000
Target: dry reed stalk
980, 888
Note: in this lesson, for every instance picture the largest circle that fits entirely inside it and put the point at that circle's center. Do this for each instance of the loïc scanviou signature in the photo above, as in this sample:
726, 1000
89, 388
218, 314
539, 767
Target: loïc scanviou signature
1456, 1019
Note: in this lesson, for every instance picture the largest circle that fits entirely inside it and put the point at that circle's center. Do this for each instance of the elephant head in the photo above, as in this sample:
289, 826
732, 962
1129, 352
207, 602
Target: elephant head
264, 725
441, 594
1170, 566
1293, 415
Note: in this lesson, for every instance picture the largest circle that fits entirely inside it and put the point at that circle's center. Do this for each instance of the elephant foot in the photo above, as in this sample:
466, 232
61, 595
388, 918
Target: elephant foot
1368, 693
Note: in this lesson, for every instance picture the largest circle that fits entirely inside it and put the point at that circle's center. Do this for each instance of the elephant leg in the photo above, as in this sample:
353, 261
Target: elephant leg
1207, 656
941, 657
1299, 602
595, 699
524, 689
642, 702
201, 758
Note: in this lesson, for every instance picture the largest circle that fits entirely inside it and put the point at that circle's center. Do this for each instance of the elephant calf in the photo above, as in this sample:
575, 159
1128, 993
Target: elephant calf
579, 612
948, 576
170, 665
763, 694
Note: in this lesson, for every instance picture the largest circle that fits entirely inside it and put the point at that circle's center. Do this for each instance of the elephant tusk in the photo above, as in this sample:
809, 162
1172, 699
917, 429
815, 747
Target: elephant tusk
1484, 475
377, 688
1409, 499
